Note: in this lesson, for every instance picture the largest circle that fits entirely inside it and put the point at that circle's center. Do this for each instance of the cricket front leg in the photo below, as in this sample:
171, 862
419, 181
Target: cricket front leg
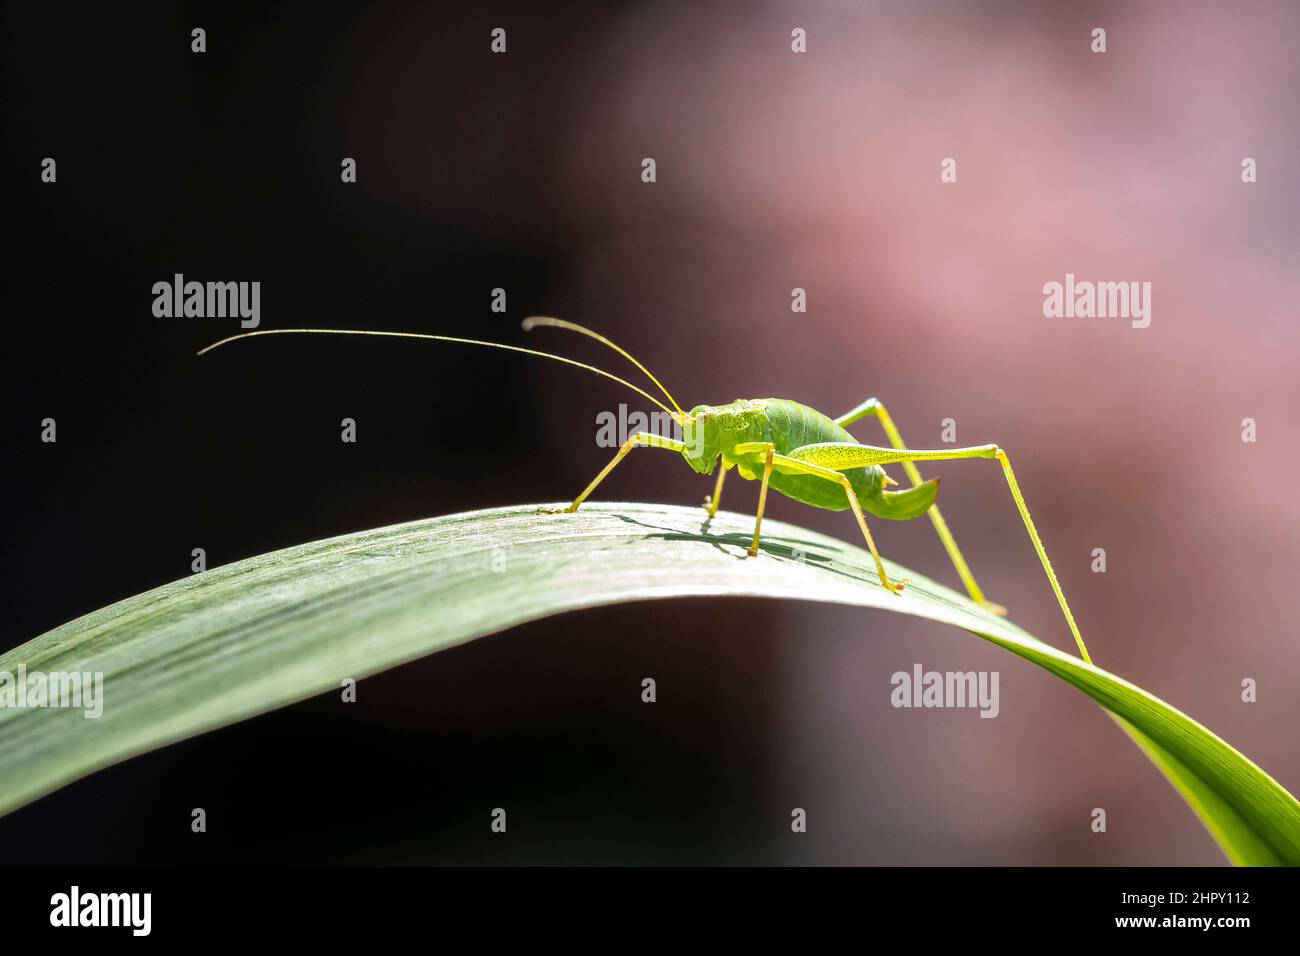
874, 407
640, 438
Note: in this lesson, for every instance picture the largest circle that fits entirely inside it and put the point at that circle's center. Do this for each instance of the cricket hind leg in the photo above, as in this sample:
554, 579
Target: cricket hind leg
842, 455
640, 438
874, 407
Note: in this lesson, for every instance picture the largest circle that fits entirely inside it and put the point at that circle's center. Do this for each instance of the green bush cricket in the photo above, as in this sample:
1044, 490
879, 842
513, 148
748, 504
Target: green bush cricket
787, 446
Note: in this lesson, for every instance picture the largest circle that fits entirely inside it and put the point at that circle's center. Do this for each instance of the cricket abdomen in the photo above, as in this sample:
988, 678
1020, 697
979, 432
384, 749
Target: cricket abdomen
792, 426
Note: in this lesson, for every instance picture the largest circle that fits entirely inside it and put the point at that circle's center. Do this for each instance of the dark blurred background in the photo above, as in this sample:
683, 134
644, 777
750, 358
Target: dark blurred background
775, 171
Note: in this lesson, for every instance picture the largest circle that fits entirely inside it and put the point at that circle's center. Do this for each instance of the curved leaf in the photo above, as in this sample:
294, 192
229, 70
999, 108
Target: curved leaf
239, 640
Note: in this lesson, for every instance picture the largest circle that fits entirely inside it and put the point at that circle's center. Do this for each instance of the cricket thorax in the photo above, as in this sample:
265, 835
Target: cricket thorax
714, 430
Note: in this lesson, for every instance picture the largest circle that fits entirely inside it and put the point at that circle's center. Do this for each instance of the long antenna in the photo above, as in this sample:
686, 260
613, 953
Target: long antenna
535, 320
447, 338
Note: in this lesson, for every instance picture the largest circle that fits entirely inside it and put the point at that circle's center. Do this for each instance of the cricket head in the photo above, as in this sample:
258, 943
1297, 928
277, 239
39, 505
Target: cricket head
703, 439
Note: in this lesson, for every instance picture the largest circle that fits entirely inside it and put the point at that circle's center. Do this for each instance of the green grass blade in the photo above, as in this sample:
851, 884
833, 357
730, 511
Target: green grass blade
246, 638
